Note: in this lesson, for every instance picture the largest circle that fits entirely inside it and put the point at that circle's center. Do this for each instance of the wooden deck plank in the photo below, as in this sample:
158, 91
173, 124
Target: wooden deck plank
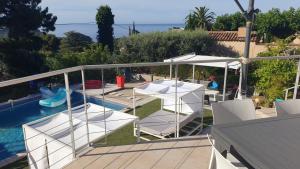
199, 158
183, 153
108, 158
128, 157
177, 154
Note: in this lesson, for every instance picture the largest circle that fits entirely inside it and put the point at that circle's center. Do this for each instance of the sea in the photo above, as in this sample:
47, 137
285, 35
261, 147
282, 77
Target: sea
120, 30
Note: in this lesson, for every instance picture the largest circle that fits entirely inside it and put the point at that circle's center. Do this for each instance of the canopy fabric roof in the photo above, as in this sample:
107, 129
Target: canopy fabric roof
165, 89
194, 57
189, 95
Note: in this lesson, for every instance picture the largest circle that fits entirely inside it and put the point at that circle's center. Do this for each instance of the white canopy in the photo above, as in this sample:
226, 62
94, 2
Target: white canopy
194, 57
189, 95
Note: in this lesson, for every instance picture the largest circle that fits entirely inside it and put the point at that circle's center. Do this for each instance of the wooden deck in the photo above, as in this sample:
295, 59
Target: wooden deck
188, 153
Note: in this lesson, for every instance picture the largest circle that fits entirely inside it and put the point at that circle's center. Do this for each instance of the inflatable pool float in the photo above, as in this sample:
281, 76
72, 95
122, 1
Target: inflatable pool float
46, 92
57, 99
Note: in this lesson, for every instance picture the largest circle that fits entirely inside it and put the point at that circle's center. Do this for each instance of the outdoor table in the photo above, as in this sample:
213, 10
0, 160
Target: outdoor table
270, 143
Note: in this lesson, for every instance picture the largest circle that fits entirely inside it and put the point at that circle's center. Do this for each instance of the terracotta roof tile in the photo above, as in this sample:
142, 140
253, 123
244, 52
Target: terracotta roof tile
230, 36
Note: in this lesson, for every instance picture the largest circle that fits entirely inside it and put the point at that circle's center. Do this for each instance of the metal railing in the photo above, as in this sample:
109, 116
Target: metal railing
86, 115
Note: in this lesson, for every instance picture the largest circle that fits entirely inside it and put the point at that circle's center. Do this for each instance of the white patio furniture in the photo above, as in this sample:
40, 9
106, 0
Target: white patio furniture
177, 109
217, 160
213, 93
268, 143
193, 57
55, 133
233, 111
287, 107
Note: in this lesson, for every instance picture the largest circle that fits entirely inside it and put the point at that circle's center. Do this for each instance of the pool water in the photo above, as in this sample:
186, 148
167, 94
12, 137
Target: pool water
11, 120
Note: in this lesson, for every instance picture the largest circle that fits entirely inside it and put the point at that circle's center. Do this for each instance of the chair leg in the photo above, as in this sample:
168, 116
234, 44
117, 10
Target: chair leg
212, 160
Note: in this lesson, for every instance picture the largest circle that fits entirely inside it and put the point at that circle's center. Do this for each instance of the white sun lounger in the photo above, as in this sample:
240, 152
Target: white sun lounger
189, 106
163, 123
55, 132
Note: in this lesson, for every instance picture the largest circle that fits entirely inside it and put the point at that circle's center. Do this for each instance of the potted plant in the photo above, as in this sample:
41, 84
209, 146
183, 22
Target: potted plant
120, 79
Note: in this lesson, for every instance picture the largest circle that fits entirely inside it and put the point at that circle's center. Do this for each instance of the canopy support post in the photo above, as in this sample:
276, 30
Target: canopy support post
70, 113
176, 112
296, 82
225, 81
193, 73
85, 106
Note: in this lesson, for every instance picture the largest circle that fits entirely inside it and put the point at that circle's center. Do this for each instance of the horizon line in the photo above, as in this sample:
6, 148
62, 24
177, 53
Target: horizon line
92, 23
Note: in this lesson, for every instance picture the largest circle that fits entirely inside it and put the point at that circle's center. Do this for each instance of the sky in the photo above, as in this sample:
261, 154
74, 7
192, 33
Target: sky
150, 11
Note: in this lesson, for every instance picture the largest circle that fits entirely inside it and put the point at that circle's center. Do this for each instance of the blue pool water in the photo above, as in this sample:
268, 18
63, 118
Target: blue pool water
11, 120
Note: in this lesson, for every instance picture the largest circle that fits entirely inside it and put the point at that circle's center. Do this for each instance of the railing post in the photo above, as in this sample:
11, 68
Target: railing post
194, 73
225, 81
297, 81
171, 69
103, 101
47, 154
85, 106
176, 112
286, 94
137, 130
133, 107
70, 113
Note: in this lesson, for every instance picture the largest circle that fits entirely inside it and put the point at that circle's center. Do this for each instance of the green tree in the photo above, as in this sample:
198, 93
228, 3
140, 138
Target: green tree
50, 43
271, 77
190, 22
23, 18
22, 57
229, 22
201, 18
75, 42
105, 21
94, 54
277, 24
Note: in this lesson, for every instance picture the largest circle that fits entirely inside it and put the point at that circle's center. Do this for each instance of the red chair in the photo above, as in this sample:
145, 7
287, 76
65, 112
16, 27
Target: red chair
93, 84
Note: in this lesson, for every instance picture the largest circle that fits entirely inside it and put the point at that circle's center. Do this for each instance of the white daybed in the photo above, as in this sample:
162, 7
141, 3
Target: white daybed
217, 62
169, 120
48, 141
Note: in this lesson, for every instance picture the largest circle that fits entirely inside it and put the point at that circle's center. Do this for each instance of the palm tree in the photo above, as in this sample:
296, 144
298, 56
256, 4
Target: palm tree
201, 17
190, 23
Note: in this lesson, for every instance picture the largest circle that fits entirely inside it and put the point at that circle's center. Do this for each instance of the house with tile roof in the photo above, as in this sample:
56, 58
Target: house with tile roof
236, 41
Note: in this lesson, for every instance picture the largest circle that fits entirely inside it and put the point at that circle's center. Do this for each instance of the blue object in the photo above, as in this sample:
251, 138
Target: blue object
46, 92
11, 120
56, 100
214, 85
279, 100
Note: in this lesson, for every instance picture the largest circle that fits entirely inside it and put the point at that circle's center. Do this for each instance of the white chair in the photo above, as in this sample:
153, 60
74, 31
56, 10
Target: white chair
287, 107
233, 111
217, 161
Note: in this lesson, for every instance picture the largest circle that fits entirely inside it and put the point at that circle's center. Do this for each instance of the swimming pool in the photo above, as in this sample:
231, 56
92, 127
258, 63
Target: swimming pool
12, 118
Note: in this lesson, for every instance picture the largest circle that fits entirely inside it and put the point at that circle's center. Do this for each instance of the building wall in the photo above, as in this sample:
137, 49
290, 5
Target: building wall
239, 47
297, 41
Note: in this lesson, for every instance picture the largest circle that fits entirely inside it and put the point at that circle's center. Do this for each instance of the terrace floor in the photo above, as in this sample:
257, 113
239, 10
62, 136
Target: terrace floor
185, 153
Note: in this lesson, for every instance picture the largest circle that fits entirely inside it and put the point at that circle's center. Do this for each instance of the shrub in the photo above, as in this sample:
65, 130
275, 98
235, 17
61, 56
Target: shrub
271, 77
94, 54
75, 42
153, 47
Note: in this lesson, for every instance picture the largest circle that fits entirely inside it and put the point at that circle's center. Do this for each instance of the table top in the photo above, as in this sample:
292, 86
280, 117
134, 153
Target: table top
270, 143
209, 91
